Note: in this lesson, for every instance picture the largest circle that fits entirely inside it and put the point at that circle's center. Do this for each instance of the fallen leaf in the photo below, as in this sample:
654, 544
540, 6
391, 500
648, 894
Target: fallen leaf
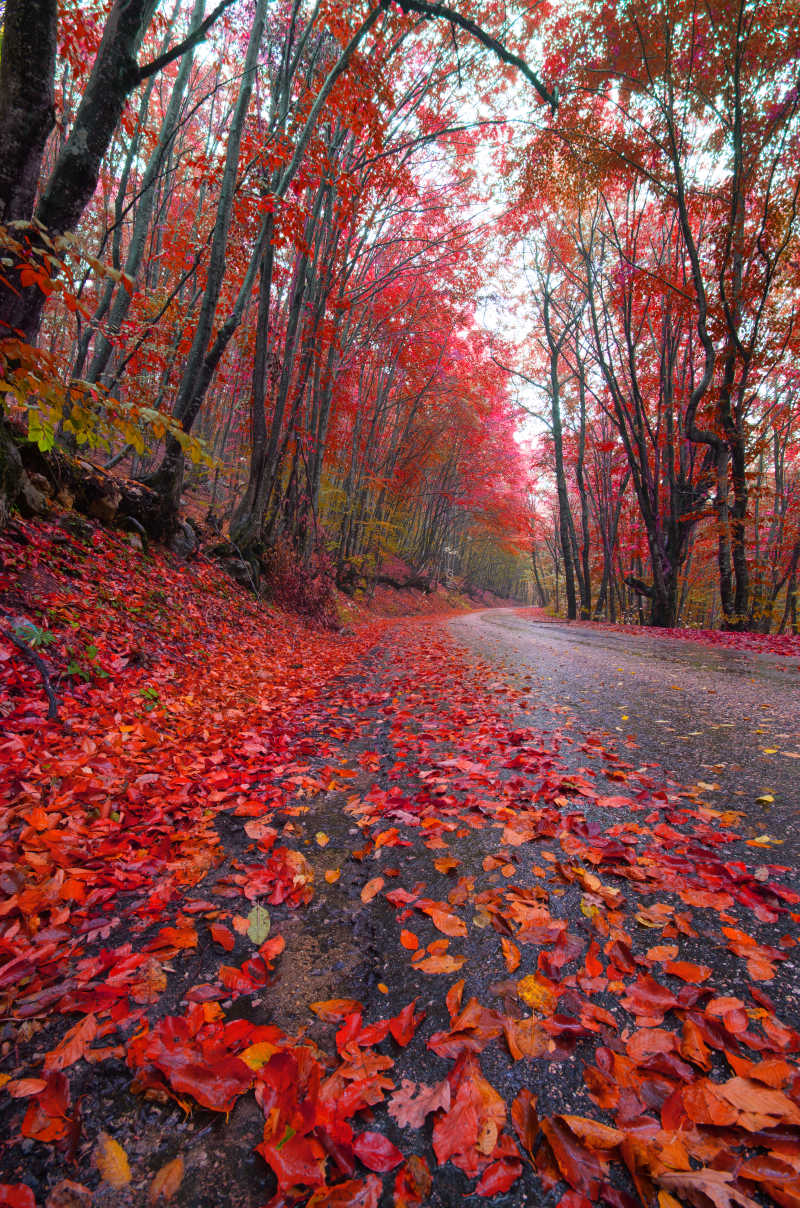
166, 1181
112, 1161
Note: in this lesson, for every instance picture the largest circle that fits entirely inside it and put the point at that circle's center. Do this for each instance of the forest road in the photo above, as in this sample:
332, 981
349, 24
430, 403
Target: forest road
725, 717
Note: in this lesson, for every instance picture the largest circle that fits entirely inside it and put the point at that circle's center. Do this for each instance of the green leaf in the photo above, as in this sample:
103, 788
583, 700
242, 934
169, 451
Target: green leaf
259, 921
42, 434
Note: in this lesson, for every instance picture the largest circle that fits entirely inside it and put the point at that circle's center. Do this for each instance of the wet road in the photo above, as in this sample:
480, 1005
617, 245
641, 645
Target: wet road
725, 718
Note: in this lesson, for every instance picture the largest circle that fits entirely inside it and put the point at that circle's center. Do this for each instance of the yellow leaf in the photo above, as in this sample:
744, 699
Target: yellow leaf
765, 799
112, 1161
258, 1054
332, 875
166, 1181
322, 839
536, 994
769, 750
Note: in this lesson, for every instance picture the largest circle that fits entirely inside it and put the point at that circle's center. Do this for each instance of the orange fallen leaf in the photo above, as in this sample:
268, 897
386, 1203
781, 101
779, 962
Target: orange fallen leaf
510, 954
371, 889
112, 1161
166, 1181
332, 1010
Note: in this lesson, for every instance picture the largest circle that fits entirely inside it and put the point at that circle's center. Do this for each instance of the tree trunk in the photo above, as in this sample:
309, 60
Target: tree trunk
27, 113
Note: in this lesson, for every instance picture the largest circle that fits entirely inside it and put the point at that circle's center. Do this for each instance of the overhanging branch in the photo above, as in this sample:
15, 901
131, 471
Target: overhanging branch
430, 12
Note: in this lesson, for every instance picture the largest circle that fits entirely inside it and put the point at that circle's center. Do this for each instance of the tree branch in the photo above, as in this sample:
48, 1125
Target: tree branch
192, 39
430, 11
39, 664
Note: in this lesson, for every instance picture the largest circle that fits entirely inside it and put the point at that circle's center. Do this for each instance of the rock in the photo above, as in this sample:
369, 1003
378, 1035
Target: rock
241, 571
76, 526
185, 542
135, 542
104, 504
31, 501
41, 483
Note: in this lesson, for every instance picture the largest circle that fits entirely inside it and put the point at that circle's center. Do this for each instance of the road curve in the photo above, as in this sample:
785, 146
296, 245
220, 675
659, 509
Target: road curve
725, 717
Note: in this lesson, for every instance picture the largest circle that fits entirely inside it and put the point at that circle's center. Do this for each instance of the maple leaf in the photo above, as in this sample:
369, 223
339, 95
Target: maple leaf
414, 1101
719, 1186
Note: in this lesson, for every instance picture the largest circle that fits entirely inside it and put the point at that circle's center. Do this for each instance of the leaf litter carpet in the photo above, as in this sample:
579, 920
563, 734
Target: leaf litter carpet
301, 918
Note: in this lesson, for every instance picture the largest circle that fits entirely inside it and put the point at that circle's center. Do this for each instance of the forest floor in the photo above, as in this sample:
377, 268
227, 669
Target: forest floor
430, 908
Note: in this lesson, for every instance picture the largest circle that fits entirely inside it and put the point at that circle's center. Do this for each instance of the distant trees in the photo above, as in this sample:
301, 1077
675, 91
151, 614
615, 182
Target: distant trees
247, 243
674, 173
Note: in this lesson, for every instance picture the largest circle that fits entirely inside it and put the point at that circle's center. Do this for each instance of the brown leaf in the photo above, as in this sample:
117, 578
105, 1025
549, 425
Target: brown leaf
166, 1181
67, 1194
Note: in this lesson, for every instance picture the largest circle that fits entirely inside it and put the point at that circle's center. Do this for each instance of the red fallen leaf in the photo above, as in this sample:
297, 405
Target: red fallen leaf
376, 1152
46, 1117
498, 1177
525, 1120
647, 1041
354, 1193
16, 1195
196, 1059
413, 1102
73, 1046
222, 936
687, 971
648, 999
693, 1046
591, 962
372, 888
574, 1199
169, 940
412, 1184
404, 1025
271, 948
23, 1088
468, 1131
296, 1161
332, 1010
703, 1105
580, 1166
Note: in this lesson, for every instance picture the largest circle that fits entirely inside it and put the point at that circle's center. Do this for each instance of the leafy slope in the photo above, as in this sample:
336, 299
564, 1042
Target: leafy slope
416, 936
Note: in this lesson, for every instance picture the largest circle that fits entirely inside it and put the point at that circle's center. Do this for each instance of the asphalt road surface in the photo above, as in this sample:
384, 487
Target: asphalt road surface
704, 714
